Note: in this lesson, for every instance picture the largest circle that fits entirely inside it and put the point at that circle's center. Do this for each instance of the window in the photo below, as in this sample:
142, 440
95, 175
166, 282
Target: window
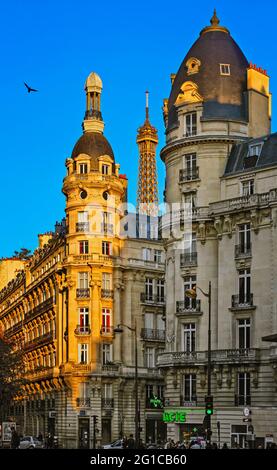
190, 388
190, 201
157, 256
105, 169
190, 125
83, 319
247, 188
149, 288
160, 290
106, 248
83, 247
244, 286
106, 222
106, 281
149, 392
83, 280
83, 390
106, 320
244, 333
83, 168
83, 353
190, 283
244, 389
189, 337
82, 217
106, 354
160, 391
225, 69
190, 167
149, 321
150, 358
255, 150
146, 254
244, 238
107, 391
160, 322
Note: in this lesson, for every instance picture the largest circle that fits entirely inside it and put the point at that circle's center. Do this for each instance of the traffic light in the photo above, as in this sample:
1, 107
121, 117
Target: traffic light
209, 405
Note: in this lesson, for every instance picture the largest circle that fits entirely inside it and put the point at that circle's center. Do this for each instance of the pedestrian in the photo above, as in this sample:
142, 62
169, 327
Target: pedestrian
15, 440
40, 437
194, 445
169, 444
225, 446
214, 445
124, 442
141, 444
131, 442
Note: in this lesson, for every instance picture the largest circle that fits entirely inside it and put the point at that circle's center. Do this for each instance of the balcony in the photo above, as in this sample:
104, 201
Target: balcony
106, 330
188, 306
223, 356
83, 402
242, 302
39, 341
153, 335
39, 309
188, 259
243, 251
189, 174
83, 293
82, 227
107, 228
110, 367
82, 330
153, 299
107, 403
107, 293
188, 401
242, 400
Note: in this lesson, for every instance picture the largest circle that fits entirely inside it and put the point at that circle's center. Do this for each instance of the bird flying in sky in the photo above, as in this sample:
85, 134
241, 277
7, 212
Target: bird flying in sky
29, 88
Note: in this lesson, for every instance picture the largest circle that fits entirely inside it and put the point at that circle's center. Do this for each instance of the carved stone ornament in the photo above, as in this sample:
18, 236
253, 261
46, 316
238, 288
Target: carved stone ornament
218, 227
228, 225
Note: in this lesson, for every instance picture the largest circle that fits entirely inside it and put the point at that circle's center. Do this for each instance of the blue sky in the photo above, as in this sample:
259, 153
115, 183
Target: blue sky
134, 46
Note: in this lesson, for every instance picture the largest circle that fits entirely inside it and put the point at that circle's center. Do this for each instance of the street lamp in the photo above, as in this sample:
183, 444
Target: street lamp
119, 329
192, 294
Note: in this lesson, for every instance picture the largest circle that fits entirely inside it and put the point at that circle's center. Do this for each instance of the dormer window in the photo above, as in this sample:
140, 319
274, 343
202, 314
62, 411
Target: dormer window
105, 169
225, 69
255, 150
83, 168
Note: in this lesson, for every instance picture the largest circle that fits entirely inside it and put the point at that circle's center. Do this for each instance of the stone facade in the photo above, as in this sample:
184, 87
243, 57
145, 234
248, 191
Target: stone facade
221, 229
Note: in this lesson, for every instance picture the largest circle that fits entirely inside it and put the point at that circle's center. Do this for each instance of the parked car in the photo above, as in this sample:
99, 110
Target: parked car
30, 442
114, 445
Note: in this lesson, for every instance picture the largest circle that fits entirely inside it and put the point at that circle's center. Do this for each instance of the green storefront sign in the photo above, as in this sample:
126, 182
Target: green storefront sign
178, 416
174, 416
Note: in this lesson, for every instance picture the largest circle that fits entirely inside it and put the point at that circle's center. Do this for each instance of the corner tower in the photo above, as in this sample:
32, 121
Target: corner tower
94, 192
147, 140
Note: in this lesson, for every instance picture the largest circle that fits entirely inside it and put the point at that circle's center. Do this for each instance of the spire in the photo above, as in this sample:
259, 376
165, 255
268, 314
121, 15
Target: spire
147, 140
214, 25
93, 121
147, 105
214, 20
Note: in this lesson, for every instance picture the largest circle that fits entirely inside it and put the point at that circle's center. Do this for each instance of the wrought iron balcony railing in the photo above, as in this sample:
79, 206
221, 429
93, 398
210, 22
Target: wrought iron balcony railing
189, 174
107, 228
83, 402
152, 298
188, 400
242, 400
107, 403
188, 259
153, 335
82, 226
243, 251
82, 330
107, 293
188, 306
241, 301
83, 293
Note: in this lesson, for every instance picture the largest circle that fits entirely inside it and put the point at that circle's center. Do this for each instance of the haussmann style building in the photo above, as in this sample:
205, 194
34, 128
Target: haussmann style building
107, 351
221, 187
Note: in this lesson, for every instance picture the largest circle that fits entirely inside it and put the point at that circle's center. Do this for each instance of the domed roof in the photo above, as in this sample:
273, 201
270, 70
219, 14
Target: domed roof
93, 81
222, 94
93, 144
